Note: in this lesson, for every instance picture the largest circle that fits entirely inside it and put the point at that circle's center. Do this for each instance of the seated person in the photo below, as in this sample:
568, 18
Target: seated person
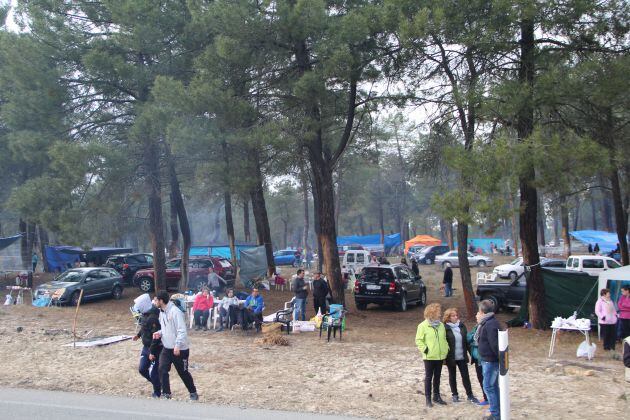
279, 280
228, 310
252, 311
201, 309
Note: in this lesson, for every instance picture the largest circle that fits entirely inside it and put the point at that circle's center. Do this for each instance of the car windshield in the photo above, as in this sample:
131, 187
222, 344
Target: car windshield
225, 264
70, 276
517, 261
376, 275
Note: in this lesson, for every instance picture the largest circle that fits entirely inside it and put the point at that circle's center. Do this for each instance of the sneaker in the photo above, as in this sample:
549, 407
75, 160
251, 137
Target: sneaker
205, 328
194, 396
483, 402
455, 398
155, 395
472, 399
166, 396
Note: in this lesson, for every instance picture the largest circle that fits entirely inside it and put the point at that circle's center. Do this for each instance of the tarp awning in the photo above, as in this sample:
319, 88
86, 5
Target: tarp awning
221, 251
484, 243
371, 242
253, 265
427, 240
60, 261
607, 241
8, 241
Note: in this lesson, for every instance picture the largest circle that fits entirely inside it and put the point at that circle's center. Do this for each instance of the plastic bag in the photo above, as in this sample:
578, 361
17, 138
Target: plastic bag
584, 350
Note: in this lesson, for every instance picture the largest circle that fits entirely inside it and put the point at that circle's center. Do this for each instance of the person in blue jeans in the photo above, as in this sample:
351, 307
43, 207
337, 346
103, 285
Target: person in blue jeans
301, 292
448, 282
151, 348
487, 337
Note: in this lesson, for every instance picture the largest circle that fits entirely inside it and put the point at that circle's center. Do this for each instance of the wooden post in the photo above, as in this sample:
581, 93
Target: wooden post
74, 323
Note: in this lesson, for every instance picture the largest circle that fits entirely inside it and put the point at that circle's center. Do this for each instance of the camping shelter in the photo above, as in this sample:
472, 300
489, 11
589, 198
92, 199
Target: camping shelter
484, 243
427, 240
220, 250
607, 241
96, 255
253, 265
60, 261
371, 242
565, 292
613, 280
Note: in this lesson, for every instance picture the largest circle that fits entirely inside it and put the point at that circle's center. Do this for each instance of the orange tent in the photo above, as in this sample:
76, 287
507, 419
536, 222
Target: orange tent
427, 240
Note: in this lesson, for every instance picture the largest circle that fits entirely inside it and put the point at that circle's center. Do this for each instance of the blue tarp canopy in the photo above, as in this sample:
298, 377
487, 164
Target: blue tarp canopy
371, 241
484, 243
607, 241
6, 242
221, 251
97, 255
60, 261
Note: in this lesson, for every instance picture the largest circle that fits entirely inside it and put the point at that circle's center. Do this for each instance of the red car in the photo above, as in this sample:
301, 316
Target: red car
197, 273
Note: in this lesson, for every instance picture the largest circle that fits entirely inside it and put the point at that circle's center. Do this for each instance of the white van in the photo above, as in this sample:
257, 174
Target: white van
591, 264
355, 259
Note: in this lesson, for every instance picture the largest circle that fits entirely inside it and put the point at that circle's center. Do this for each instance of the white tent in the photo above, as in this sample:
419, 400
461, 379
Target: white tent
614, 279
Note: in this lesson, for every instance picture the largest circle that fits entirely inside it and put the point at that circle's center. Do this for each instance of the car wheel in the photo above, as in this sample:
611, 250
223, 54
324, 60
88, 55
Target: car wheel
423, 298
145, 284
481, 263
74, 299
513, 275
117, 292
494, 300
361, 306
403, 303
428, 261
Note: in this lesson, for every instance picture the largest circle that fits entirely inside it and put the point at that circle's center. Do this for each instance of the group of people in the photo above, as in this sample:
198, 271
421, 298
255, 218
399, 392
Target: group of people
444, 339
230, 311
300, 289
608, 318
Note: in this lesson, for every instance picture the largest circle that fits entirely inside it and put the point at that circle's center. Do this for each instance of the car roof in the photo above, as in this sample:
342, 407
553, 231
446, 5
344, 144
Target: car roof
376, 265
87, 269
128, 254
590, 256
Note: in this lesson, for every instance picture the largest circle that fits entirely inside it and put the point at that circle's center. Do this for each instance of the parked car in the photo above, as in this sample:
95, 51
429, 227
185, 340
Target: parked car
285, 257
389, 284
428, 254
94, 281
345, 248
516, 268
591, 264
355, 260
450, 259
129, 264
413, 250
197, 273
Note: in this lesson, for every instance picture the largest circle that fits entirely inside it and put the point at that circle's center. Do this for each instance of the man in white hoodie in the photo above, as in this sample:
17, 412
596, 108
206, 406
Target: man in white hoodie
175, 341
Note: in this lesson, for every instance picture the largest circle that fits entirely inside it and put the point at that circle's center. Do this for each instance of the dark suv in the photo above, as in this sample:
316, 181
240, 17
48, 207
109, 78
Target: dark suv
197, 273
129, 264
428, 254
389, 283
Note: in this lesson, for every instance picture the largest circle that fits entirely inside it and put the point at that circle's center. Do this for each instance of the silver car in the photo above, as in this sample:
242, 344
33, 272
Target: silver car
450, 259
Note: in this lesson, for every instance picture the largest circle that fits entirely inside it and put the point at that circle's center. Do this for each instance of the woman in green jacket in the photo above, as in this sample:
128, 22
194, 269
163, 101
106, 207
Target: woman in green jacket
431, 341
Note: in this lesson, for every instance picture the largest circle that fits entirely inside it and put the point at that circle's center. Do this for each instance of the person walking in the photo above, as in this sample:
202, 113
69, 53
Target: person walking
150, 353
414, 267
34, 261
202, 305
175, 349
431, 341
320, 291
448, 282
487, 337
590, 248
607, 319
301, 292
623, 304
457, 357
596, 248
476, 361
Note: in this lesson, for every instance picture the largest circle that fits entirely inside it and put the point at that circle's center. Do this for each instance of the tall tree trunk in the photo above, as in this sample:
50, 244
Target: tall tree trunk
306, 216
606, 209
172, 246
542, 222
528, 214
564, 218
151, 163
229, 225
361, 222
246, 230
593, 211
25, 256
450, 236
43, 242
338, 195
285, 235
464, 269
260, 214
514, 225
177, 205
379, 197
621, 216
320, 251
556, 227
576, 213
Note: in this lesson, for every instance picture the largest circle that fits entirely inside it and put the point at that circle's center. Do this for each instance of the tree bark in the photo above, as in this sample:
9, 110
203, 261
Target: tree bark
177, 205
605, 206
246, 230
338, 195
564, 218
260, 214
621, 216
229, 225
514, 226
576, 213
528, 214
542, 221
172, 246
25, 256
43, 242
306, 211
151, 163
593, 211
316, 229
464, 269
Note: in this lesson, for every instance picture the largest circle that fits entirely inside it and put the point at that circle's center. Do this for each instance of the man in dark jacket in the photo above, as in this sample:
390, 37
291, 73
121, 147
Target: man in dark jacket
487, 336
320, 291
301, 292
149, 357
448, 282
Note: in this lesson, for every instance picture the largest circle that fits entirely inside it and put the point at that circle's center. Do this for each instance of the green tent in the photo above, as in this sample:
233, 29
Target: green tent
565, 292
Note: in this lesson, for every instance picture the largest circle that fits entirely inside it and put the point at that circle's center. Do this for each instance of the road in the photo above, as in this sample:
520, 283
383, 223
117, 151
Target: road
22, 404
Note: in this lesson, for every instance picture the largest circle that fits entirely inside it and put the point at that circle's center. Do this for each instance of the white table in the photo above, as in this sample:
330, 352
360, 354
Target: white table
585, 332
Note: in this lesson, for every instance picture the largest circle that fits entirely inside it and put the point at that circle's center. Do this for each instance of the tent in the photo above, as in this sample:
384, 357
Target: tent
484, 243
253, 265
427, 240
614, 280
96, 255
607, 241
221, 250
60, 261
371, 242
8, 241
565, 292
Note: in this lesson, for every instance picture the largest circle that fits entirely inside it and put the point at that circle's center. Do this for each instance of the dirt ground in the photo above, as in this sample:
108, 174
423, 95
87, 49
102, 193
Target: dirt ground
374, 372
